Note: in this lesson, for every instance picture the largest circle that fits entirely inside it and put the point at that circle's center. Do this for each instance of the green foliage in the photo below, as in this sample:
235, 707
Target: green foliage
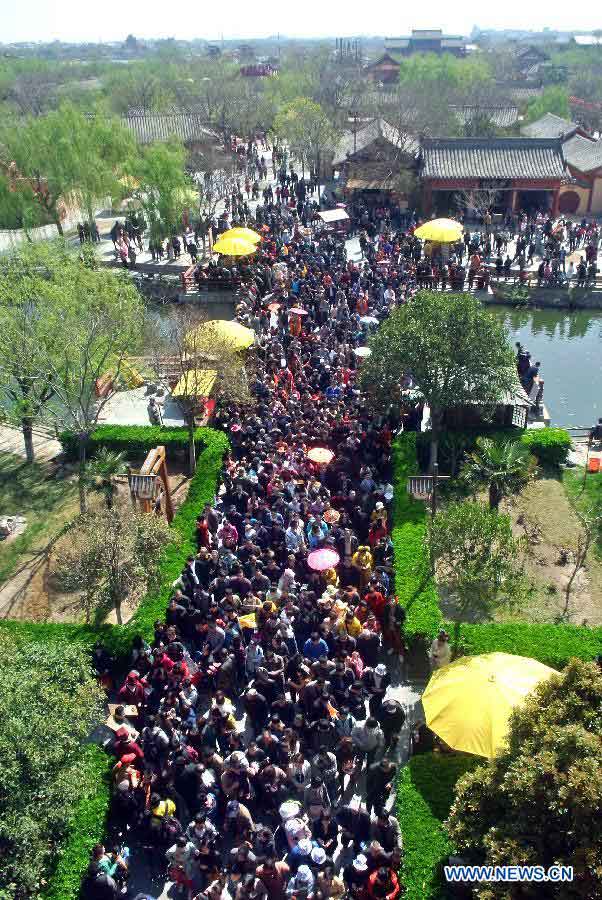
477, 557
540, 801
549, 445
134, 441
18, 205
425, 793
414, 586
164, 190
307, 129
444, 71
553, 645
554, 99
49, 701
504, 467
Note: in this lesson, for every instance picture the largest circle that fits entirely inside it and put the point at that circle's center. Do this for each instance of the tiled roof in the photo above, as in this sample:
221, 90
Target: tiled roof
582, 153
496, 158
367, 135
549, 126
500, 116
188, 127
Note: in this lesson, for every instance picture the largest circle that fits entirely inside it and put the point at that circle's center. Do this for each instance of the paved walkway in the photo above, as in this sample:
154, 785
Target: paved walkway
11, 441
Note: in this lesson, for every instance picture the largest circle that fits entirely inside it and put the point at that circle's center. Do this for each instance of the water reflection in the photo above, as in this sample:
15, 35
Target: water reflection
569, 346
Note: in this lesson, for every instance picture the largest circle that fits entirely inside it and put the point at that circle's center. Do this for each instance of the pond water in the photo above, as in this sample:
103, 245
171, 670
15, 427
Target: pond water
569, 347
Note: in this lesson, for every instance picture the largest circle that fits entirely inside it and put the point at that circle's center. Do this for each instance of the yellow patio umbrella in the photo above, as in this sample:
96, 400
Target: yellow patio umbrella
233, 246
468, 702
216, 331
247, 233
195, 383
442, 231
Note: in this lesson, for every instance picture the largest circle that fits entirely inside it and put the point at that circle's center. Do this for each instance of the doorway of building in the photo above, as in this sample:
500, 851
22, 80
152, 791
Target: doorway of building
568, 203
534, 201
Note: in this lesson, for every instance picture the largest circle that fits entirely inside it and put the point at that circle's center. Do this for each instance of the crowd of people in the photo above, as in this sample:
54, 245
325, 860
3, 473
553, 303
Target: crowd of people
257, 736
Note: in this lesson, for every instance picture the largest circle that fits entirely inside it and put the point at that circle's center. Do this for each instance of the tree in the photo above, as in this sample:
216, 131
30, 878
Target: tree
114, 555
32, 323
50, 701
540, 801
139, 87
66, 155
164, 190
476, 556
103, 469
482, 201
504, 467
554, 99
307, 130
102, 323
178, 347
456, 352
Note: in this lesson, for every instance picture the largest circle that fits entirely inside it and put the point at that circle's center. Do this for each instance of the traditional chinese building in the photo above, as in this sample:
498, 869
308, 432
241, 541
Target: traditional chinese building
427, 41
521, 173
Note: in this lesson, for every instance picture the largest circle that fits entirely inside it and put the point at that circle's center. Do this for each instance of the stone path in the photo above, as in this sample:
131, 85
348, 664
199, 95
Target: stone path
11, 441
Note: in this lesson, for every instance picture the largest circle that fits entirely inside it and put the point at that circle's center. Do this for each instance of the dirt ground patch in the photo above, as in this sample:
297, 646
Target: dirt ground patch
30, 593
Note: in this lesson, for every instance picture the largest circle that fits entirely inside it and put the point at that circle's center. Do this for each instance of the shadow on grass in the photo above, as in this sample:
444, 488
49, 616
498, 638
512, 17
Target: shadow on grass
434, 776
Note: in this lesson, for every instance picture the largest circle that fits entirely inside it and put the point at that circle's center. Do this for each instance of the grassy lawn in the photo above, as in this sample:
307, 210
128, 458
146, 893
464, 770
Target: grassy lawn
587, 496
46, 502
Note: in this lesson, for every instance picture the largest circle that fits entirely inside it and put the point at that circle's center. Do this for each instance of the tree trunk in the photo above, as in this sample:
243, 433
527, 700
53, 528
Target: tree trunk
495, 497
59, 226
118, 613
26, 426
191, 446
83, 497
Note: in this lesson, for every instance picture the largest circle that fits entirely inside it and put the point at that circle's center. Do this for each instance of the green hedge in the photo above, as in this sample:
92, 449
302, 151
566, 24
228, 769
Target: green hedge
553, 645
425, 793
550, 446
90, 815
87, 828
133, 440
414, 587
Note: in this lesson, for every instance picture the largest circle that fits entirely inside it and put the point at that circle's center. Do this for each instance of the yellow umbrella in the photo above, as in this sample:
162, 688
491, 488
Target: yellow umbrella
232, 333
246, 233
442, 231
468, 702
195, 383
233, 246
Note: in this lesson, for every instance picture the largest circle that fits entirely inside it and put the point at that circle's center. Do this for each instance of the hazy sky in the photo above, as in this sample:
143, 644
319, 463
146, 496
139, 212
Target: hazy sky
106, 20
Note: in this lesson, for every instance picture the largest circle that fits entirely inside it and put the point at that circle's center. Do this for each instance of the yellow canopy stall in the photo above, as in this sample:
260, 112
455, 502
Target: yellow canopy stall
441, 231
233, 246
195, 383
220, 331
247, 234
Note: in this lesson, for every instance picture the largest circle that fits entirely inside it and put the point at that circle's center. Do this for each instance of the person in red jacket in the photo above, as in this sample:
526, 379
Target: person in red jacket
132, 690
383, 885
375, 600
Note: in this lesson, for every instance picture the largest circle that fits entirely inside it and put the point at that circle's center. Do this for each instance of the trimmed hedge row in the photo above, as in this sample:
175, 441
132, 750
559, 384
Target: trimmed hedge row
133, 440
550, 446
414, 587
425, 793
90, 815
553, 645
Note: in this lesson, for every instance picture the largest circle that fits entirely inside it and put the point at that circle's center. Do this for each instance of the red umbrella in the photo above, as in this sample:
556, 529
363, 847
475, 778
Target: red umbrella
321, 560
320, 455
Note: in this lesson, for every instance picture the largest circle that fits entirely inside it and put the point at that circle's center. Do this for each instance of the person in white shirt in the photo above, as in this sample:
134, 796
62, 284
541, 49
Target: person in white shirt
294, 537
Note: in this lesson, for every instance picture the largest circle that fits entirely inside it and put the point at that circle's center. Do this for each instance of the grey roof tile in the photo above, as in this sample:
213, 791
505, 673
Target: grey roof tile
505, 158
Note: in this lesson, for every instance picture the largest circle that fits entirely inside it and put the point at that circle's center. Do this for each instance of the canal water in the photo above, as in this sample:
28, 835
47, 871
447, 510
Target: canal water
569, 347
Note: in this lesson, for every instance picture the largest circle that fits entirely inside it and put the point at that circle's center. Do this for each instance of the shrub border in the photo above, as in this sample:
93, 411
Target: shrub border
88, 823
425, 843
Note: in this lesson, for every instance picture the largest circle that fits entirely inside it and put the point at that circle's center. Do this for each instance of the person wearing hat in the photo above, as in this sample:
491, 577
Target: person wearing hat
376, 682
301, 884
329, 886
238, 821
348, 625
132, 691
440, 652
300, 853
355, 876
363, 561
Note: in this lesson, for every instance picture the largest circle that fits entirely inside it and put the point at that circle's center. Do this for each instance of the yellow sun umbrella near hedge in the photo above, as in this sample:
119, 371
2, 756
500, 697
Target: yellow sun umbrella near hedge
233, 246
442, 231
468, 702
219, 331
246, 233
195, 383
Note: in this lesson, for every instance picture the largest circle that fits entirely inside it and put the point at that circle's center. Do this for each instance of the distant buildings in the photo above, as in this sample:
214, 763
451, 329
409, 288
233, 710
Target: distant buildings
427, 41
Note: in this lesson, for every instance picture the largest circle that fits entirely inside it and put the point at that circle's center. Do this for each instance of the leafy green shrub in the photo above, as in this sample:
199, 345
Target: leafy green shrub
425, 793
49, 701
549, 445
553, 645
133, 440
414, 587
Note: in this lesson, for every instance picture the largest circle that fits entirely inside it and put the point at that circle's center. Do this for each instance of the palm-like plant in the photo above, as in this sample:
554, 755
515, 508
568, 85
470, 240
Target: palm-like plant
102, 471
504, 466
